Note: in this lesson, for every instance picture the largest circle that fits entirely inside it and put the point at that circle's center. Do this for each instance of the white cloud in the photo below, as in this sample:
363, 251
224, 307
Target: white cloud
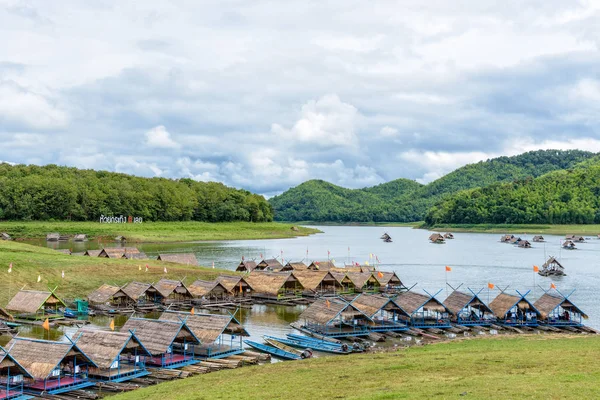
388, 131
159, 137
19, 106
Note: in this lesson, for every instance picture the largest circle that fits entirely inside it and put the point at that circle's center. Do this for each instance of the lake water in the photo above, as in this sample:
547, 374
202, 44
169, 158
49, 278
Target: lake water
476, 259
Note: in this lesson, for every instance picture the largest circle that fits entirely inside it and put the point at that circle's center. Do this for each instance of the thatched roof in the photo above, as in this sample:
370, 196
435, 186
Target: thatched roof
230, 282
92, 253
340, 277
105, 347
246, 266
135, 290
412, 302
372, 304
295, 266
436, 237
321, 265
554, 261
502, 304
310, 280
387, 278
271, 282
179, 258
105, 293
167, 287
457, 301
41, 357
538, 238
80, 237
112, 252
4, 236
53, 237
524, 243
548, 302
5, 315
204, 288
30, 301
135, 256
271, 263
207, 327
360, 279
7, 361
323, 311
158, 335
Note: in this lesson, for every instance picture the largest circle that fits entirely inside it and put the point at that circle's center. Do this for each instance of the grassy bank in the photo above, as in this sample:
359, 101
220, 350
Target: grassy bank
589, 230
82, 274
533, 367
158, 231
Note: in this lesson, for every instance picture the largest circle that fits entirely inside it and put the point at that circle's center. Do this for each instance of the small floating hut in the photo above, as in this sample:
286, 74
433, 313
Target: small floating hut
170, 343
437, 238
467, 309
325, 265
275, 285
5, 236
506, 238
538, 239
117, 252
559, 310
271, 264
552, 267
173, 292
385, 314
117, 355
179, 258
448, 235
34, 304
347, 286
143, 293
294, 266
92, 253
364, 282
425, 311
569, 245
575, 238
53, 237
385, 236
80, 237
236, 285
524, 244
220, 335
208, 290
318, 282
120, 239
246, 266
111, 298
12, 376
389, 282
514, 310
56, 367
335, 317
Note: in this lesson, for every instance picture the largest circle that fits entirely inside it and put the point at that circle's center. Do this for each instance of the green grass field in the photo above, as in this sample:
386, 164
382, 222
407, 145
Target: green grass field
516, 367
589, 230
158, 231
82, 274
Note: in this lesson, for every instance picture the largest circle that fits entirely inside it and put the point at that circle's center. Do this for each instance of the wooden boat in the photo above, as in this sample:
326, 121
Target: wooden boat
306, 353
274, 351
315, 343
311, 345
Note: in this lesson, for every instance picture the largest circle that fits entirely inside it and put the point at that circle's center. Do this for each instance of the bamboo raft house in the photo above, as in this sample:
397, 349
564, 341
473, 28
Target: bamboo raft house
335, 317
246, 266
53, 237
208, 290
117, 355
170, 343
575, 238
174, 292
92, 253
347, 286
34, 304
559, 310
506, 238
117, 252
143, 293
524, 244
111, 299
220, 335
389, 282
437, 238
448, 235
12, 375
271, 264
56, 367
179, 258
275, 285
552, 267
569, 245
538, 239
514, 240
325, 265
385, 236
80, 237
294, 266
236, 285
425, 311
5, 236
120, 239
467, 309
318, 283
364, 282
386, 315
514, 310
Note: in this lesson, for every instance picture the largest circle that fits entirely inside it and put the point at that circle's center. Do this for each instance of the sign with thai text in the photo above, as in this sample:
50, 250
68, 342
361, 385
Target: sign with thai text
121, 219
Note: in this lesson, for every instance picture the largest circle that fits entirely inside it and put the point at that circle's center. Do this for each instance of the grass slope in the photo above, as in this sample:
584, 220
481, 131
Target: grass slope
82, 274
158, 231
533, 367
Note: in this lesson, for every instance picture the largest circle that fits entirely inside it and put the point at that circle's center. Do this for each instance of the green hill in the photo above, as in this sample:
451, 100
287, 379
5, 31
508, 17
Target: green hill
404, 200
51, 192
570, 196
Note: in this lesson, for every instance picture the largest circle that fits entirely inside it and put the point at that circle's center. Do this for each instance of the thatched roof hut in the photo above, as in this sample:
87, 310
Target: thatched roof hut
135, 256
179, 258
158, 335
246, 266
117, 252
552, 307
388, 279
294, 266
8, 364
41, 357
524, 244
311, 280
109, 294
575, 238
271, 264
538, 238
106, 347
326, 311
4, 236
436, 238
467, 308
448, 235
325, 265
120, 239
5, 315
235, 284
506, 238
274, 283
371, 305
201, 288
33, 301
169, 288
92, 253
207, 327
53, 237
552, 267
505, 303
363, 281
412, 302
141, 291
80, 237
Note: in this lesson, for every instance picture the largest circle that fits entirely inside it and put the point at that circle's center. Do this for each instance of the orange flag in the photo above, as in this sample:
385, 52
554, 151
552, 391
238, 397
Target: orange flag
46, 324
112, 324
192, 311
490, 285
536, 268
448, 269
552, 286
380, 274
328, 303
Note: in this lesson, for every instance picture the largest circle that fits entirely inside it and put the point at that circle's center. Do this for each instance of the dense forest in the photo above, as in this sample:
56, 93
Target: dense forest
61, 193
404, 200
560, 197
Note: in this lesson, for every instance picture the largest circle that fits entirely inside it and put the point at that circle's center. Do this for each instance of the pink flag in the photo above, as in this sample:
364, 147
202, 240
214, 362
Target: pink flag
213, 265
146, 267
63, 274
10, 268
165, 270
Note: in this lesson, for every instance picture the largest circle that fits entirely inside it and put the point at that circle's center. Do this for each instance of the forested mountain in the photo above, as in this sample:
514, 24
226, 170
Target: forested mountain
403, 200
560, 197
29, 192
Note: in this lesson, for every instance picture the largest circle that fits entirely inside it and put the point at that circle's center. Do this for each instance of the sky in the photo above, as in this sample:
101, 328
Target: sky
264, 95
